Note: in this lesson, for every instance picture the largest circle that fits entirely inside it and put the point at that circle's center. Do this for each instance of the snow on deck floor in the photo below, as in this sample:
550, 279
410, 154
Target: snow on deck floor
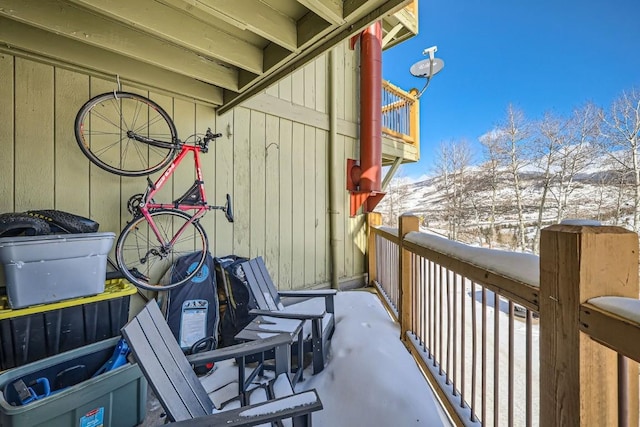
370, 378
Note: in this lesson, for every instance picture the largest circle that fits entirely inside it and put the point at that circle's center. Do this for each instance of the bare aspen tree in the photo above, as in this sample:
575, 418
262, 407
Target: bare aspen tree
514, 135
473, 203
443, 166
622, 131
620, 180
394, 202
614, 192
491, 175
545, 146
452, 163
602, 186
460, 161
402, 193
576, 152
605, 179
389, 206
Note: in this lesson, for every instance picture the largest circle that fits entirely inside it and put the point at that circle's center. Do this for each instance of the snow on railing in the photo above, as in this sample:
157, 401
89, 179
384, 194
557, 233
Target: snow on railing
449, 319
615, 322
600, 316
471, 318
467, 328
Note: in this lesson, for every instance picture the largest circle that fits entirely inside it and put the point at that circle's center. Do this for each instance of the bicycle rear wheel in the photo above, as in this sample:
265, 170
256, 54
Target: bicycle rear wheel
146, 262
105, 127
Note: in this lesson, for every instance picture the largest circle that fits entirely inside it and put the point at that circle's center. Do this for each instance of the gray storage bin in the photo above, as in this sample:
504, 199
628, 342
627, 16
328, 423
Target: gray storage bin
45, 269
114, 398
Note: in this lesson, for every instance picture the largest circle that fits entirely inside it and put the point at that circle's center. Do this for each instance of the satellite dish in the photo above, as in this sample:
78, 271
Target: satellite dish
422, 68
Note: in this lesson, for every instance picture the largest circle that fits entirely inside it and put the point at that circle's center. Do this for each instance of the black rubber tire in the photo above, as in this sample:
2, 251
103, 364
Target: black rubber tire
103, 125
66, 222
16, 224
142, 260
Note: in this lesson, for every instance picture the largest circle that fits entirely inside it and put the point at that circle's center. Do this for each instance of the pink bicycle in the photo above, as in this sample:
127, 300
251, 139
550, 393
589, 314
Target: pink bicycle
130, 135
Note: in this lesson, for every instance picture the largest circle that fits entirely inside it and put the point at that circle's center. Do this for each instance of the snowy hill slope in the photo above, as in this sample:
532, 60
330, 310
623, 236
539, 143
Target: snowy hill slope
468, 209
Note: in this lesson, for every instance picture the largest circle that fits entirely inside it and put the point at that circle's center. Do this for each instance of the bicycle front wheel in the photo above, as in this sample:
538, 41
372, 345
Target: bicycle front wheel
106, 127
146, 262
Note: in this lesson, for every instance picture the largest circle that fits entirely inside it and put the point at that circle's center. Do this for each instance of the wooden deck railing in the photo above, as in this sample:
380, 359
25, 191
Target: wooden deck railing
513, 339
386, 267
400, 113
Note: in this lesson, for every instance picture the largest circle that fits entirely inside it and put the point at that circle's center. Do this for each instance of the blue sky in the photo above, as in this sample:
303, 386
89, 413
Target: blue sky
540, 55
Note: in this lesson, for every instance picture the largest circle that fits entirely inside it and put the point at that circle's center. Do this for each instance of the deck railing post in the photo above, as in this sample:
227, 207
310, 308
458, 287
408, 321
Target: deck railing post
407, 224
374, 219
578, 376
414, 117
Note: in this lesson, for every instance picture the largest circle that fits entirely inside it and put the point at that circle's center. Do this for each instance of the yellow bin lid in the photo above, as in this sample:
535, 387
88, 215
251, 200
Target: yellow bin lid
113, 288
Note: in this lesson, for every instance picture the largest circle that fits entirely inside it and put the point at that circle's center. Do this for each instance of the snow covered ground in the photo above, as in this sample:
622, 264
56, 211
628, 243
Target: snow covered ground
370, 378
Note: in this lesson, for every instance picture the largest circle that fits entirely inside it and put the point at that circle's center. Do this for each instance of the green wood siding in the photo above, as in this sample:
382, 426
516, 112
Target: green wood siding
34, 135
272, 158
7, 147
224, 174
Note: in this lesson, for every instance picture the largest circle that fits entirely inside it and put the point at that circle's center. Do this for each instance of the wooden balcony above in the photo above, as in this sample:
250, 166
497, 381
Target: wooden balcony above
400, 125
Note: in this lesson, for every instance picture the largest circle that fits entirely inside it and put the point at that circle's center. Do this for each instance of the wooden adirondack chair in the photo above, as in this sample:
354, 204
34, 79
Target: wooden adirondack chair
322, 322
182, 395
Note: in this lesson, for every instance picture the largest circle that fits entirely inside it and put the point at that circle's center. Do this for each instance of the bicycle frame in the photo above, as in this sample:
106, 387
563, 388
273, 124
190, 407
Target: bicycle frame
201, 207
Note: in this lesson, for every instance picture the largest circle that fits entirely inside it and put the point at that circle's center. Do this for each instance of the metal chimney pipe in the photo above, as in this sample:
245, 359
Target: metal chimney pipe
371, 108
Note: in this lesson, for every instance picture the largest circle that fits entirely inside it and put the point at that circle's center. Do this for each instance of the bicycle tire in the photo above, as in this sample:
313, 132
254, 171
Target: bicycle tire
15, 224
145, 263
65, 221
104, 127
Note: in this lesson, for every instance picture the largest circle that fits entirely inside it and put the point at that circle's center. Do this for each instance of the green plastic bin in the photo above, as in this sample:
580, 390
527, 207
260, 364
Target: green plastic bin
116, 398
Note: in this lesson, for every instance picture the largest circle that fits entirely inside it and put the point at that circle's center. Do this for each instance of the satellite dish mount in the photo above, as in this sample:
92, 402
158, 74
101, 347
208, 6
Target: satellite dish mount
427, 68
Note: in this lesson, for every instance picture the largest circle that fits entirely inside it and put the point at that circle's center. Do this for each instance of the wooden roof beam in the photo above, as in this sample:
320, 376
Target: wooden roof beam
27, 41
354, 7
160, 20
202, 12
329, 10
331, 37
259, 18
391, 34
62, 18
406, 19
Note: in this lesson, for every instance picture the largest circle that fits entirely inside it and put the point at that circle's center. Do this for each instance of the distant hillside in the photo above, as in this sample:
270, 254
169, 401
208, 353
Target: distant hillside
463, 210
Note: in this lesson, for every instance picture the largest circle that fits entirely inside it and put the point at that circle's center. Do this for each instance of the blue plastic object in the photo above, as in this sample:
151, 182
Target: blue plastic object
118, 358
28, 394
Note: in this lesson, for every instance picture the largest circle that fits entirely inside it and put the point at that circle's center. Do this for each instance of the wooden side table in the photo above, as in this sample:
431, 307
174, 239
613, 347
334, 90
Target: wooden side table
264, 327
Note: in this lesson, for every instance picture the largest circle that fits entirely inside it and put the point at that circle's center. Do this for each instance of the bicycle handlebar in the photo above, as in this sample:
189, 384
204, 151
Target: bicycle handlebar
207, 138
